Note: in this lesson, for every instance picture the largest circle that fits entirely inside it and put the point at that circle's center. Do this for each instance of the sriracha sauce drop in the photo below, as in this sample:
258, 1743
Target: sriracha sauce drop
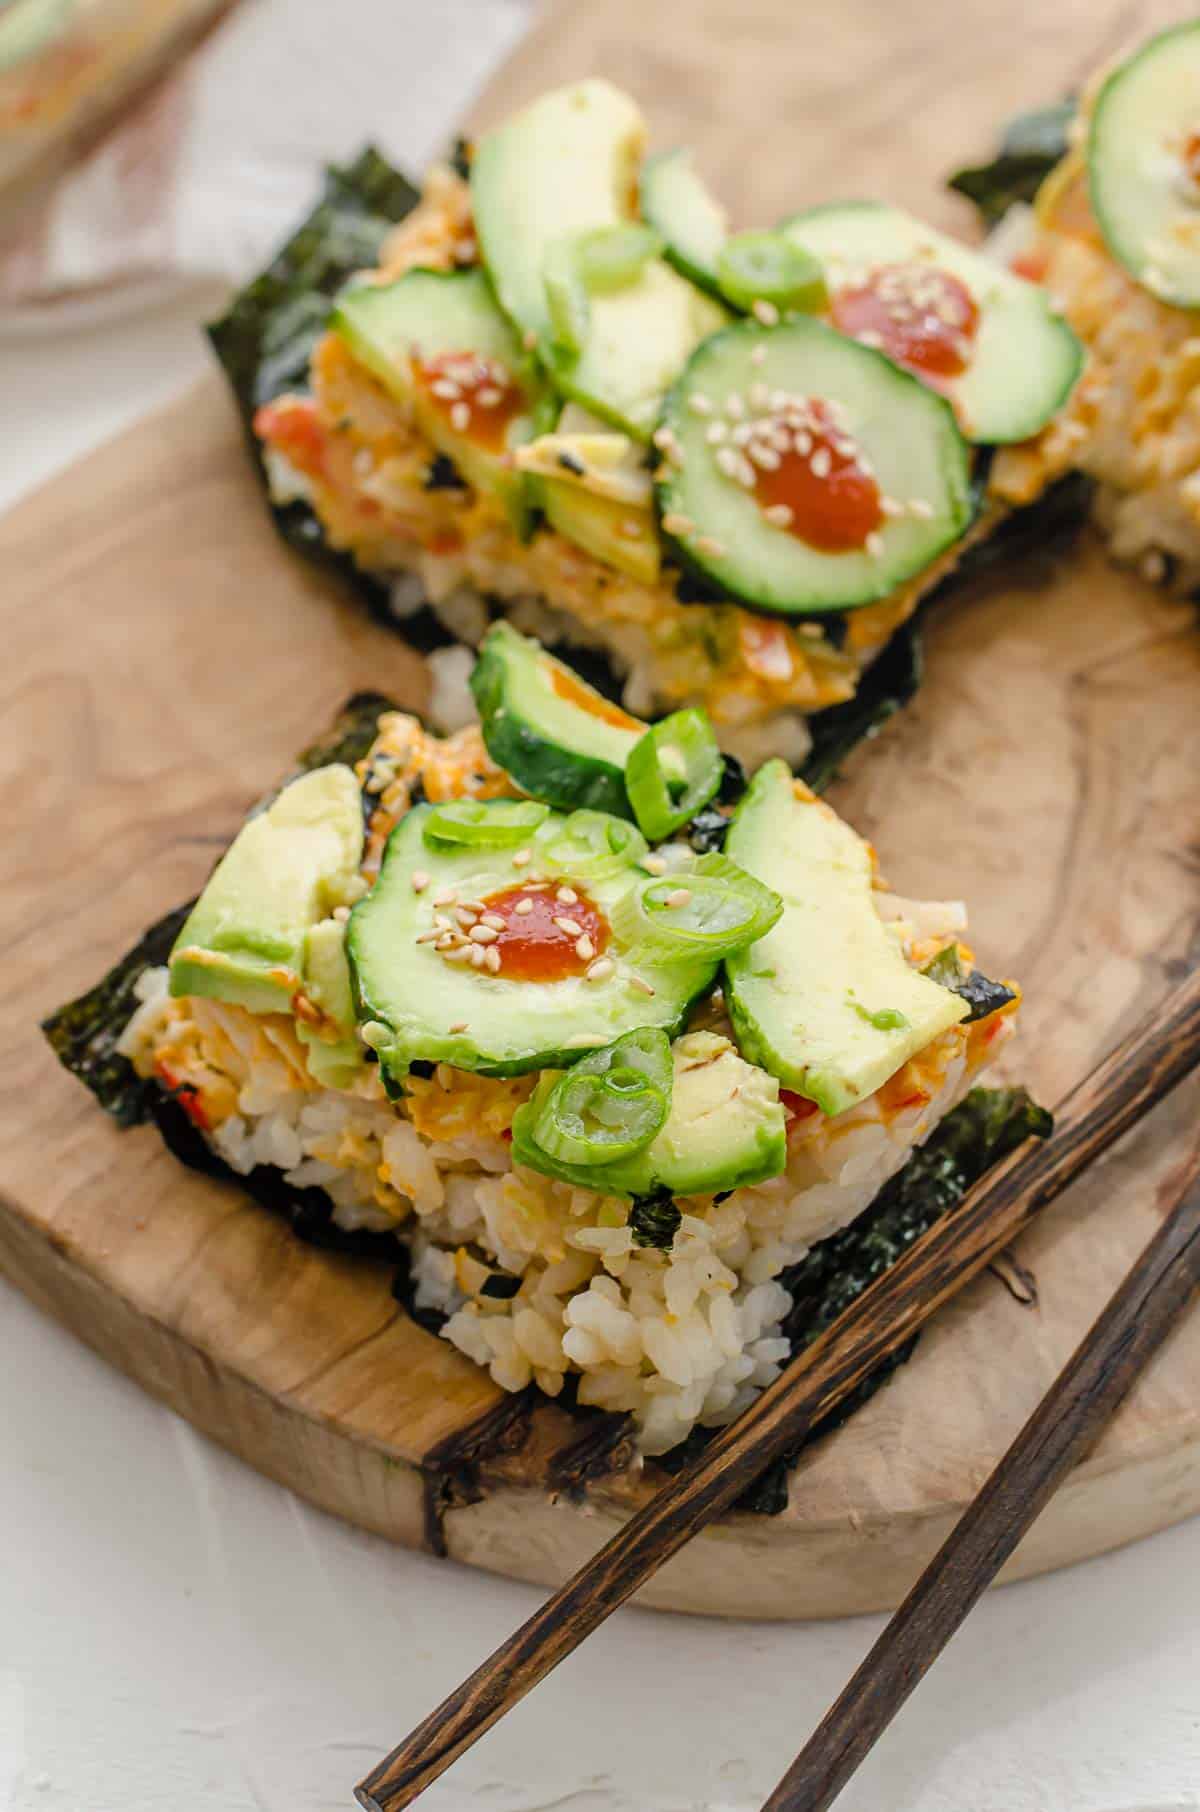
922, 317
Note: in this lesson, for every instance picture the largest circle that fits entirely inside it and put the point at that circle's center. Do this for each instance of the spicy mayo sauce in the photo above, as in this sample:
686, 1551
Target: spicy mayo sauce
922, 317
546, 938
476, 397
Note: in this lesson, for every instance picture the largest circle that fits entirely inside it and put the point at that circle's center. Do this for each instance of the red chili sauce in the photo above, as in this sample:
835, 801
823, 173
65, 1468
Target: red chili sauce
1191, 157
920, 316
822, 479
476, 397
539, 945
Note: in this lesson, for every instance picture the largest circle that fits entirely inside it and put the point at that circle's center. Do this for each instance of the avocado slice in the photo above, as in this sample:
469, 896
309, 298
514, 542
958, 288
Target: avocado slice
335, 1051
420, 1006
568, 164
560, 739
428, 315
593, 487
621, 537
825, 1001
245, 939
726, 1129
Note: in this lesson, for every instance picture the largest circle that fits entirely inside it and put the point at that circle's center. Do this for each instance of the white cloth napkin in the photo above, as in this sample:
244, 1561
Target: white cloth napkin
205, 175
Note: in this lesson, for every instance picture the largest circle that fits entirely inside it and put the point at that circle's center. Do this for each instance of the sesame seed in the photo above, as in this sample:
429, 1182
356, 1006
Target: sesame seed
664, 439
891, 506
735, 408
758, 355
875, 544
447, 388
522, 857
601, 968
868, 337
460, 1025
523, 906
489, 396
707, 544
478, 955
491, 960
474, 906
821, 463
744, 433
466, 919
569, 927
760, 396
460, 417
462, 953
429, 937
727, 461
341, 914
493, 921
675, 524
766, 312
917, 506
654, 865
579, 1039
567, 896
716, 433
631, 528
681, 896
699, 404
483, 934
445, 897
419, 880
642, 985
585, 950
766, 457
779, 515
448, 940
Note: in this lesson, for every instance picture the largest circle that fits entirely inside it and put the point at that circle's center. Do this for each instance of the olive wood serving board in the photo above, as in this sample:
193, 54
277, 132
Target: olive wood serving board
164, 659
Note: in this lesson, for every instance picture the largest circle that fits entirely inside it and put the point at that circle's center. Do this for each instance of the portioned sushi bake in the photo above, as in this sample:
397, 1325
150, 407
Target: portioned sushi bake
607, 1036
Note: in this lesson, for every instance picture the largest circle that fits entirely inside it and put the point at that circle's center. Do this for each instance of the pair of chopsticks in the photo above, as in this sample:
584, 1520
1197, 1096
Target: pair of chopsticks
1117, 1093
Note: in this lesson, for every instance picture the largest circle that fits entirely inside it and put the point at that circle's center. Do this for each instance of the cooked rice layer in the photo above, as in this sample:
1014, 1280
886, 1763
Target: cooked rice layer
675, 1337
356, 455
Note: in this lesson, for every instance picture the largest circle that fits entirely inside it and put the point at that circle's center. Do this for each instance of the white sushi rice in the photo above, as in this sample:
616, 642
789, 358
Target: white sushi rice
676, 1337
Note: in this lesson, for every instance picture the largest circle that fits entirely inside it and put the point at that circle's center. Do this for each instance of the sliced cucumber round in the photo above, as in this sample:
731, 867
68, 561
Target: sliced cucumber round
1143, 157
906, 434
692, 222
1020, 362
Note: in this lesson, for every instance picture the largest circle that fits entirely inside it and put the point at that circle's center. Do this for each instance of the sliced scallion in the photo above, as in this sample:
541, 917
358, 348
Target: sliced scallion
673, 772
612, 1103
484, 823
707, 910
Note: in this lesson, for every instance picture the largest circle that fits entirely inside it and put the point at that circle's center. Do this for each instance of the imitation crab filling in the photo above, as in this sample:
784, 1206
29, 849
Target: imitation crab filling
922, 317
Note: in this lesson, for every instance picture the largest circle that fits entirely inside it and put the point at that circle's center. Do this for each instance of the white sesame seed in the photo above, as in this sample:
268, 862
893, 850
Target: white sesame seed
654, 865
460, 417
522, 858
567, 896
462, 953
735, 408
875, 544
715, 433
917, 506
766, 457
707, 544
446, 896
523, 907
746, 475
341, 914
821, 463
585, 950
489, 396
681, 896
483, 934
466, 919
448, 388
491, 960
727, 461
569, 927
766, 312
460, 1025
868, 337
642, 985
429, 937
779, 515
744, 433
699, 404
478, 955
891, 506
601, 968
676, 524
493, 921
579, 1039
419, 880
664, 439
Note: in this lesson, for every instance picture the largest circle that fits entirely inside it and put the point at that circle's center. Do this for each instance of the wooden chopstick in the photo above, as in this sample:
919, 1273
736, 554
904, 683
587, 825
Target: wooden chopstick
1143, 1068
1066, 1422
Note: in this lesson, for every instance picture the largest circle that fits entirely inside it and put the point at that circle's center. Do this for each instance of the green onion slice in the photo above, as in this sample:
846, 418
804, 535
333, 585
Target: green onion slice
577, 264
672, 772
767, 267
484, 823
612, 1103
589, 845
707, 910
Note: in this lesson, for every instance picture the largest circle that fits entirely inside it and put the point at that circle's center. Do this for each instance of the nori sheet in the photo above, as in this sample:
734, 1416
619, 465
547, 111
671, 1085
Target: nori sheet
1031, 145
982, 1130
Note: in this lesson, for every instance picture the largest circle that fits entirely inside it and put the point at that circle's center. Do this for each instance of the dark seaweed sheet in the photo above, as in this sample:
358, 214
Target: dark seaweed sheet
982, 1130
1030, 147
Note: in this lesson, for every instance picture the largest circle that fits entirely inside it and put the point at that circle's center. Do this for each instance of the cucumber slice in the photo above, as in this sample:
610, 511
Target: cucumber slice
559, 739
920, 461
1022, 360
1143, 158
692, 222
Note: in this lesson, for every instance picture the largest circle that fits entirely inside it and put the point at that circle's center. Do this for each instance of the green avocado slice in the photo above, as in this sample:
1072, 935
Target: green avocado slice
417, 1005
825, 1001
726, 1129
245, 939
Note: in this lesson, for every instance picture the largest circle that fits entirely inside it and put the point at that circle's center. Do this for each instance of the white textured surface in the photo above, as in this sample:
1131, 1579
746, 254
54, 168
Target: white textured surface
176, 1632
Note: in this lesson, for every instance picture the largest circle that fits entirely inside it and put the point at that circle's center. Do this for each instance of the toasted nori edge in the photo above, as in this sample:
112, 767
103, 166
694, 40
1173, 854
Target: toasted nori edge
1030, 147
981, 1130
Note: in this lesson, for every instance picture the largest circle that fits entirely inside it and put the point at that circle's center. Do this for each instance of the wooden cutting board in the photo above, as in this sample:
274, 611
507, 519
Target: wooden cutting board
164, 658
